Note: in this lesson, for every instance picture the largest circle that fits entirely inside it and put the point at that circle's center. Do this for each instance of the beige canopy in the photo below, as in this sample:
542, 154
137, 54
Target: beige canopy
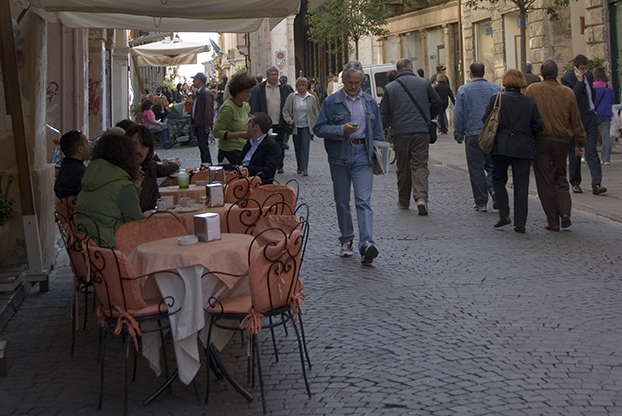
168, 53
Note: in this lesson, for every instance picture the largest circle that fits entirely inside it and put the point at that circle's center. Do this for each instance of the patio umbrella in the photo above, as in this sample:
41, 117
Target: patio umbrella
168, 53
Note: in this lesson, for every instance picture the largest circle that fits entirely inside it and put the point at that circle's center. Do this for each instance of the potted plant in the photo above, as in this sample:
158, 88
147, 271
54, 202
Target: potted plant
7, 210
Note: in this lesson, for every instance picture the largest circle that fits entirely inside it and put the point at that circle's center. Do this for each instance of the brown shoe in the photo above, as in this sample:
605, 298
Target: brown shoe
597, 189
305, 173
551, 227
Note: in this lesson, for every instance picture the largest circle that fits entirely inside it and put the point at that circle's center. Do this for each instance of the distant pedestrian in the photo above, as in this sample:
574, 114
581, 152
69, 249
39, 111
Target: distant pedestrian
220, 89
445, 93
202, 115
561, 119
270, 100
604, 101
471, 102
513, 146
411, 138
531, 78
333, 86
421, 73
349, 121
300, 112
440, 69
580, 81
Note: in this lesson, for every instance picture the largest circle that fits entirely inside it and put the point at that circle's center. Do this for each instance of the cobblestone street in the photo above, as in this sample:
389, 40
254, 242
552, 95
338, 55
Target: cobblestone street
454, 318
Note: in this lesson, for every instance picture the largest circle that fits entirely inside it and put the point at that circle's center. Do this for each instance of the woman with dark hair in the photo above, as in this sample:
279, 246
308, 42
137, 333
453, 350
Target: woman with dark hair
230, 126
445, 93
150, 165
166, 93
603, 102
110, 190
177, 94
148, 118
514, 146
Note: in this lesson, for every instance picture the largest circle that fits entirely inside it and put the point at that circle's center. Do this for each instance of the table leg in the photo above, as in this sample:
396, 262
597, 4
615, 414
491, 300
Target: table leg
225, 373
164, 386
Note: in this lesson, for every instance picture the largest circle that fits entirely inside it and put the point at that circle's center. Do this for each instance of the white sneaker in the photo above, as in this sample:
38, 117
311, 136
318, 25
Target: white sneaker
422, 206
346, 250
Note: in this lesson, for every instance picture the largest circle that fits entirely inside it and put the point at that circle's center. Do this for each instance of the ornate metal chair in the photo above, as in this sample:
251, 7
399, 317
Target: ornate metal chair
135, 233
274, 283
123, 306
240, 188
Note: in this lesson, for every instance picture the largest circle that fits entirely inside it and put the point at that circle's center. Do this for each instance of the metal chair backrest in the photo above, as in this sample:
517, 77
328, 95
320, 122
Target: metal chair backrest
131, 235
240, 188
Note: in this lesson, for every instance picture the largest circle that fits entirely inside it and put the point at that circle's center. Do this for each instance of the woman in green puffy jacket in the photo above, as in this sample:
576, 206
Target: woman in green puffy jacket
110, 190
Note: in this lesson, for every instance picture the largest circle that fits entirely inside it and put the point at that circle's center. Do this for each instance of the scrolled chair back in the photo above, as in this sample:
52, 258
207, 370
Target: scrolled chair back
241, 217
239, 189
132, 234
273, 271
268, 195
201, 175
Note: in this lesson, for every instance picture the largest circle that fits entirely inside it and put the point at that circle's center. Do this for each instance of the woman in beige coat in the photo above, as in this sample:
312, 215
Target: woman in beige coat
300, 112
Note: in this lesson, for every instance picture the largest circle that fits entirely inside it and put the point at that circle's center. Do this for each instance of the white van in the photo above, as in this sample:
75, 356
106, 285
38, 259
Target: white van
374, 81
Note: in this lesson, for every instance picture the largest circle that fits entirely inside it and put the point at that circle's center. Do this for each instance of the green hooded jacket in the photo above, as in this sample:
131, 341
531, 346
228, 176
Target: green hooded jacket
109, 198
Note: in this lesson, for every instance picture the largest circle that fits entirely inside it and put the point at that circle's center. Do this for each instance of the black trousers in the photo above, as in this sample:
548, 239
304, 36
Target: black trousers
550, 173
520, 177
280, 139
591, 154
232, 156
203, 139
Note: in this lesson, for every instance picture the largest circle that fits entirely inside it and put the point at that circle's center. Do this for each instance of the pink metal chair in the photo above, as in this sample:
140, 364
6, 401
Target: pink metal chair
123, 306
240, 188
281, 197
135, 233
201, 175
274, 283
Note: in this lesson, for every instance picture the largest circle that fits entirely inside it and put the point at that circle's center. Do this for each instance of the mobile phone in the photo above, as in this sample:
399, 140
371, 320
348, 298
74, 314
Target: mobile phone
355, 124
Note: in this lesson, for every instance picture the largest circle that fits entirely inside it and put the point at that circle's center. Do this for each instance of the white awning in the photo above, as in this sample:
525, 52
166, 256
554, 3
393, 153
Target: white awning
185, 9
168, 53
148, 23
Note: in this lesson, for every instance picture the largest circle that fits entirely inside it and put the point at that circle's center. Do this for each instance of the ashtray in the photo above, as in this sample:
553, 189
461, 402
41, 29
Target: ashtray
188, 240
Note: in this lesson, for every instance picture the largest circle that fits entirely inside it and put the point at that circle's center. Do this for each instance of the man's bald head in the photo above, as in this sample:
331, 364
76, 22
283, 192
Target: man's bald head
404, 64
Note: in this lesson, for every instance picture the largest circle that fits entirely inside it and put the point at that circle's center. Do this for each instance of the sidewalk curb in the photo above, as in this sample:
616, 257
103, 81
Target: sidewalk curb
10, 302
576, 205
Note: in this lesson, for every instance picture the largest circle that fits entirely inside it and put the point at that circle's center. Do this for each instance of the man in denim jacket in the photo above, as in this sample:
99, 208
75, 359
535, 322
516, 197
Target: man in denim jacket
349, 121
471, 102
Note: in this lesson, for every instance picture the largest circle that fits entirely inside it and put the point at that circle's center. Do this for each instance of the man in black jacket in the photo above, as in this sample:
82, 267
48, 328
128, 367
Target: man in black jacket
76, 149
203, 115
260, 153
270, 100
580, 82
411, 137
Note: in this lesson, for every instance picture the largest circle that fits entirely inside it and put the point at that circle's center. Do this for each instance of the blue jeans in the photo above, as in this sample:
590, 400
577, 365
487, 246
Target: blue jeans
302, 142
604, 126
480, 170
161, 128
361, 176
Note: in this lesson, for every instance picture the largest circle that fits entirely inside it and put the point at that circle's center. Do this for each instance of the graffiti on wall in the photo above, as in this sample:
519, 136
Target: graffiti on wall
94, 98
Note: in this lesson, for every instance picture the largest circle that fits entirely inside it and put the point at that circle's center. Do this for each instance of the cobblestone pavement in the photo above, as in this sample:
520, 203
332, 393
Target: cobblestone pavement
455, 318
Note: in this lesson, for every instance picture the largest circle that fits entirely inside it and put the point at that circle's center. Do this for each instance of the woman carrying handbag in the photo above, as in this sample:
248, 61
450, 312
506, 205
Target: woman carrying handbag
513, 146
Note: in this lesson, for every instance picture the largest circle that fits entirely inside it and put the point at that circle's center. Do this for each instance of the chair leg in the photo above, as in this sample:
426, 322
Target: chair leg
284, 326
164, 355
252, 361
135, 365
208, 358
304, 340
127, 372
276, 352
74, 320
101, 359
256, 348
302, 358
99, 347
86, 305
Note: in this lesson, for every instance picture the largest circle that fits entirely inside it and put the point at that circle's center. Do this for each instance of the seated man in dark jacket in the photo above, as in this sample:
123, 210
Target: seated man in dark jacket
260, 153
76, 149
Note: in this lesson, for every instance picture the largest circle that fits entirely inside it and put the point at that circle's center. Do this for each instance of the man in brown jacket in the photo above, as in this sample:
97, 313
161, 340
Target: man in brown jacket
557, 105
203, 115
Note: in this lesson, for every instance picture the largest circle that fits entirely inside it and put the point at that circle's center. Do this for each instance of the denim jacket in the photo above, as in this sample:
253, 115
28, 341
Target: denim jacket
471, 102
329, 125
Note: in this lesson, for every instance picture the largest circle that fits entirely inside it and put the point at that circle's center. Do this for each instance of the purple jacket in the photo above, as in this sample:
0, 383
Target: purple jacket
604, 95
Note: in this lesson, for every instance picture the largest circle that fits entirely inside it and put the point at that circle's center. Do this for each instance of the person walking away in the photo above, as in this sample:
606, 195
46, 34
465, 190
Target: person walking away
561, 120
529, 76
445, 93
147, 118
513, 146
202, 115
411, 137
300, 112
230, 128
220, 89
349, 121
471, 102
604, 102
580, 82
440, 69
270, 100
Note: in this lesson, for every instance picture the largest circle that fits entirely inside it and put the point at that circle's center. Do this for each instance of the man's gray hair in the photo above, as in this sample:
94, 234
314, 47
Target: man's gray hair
528, 67
352, 68
272, 69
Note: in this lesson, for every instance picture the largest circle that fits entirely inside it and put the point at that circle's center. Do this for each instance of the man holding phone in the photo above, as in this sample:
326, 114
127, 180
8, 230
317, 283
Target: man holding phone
580, 81
349, 122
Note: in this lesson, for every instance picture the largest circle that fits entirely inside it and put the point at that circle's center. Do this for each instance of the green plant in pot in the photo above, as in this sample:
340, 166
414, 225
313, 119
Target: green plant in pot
7, 210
